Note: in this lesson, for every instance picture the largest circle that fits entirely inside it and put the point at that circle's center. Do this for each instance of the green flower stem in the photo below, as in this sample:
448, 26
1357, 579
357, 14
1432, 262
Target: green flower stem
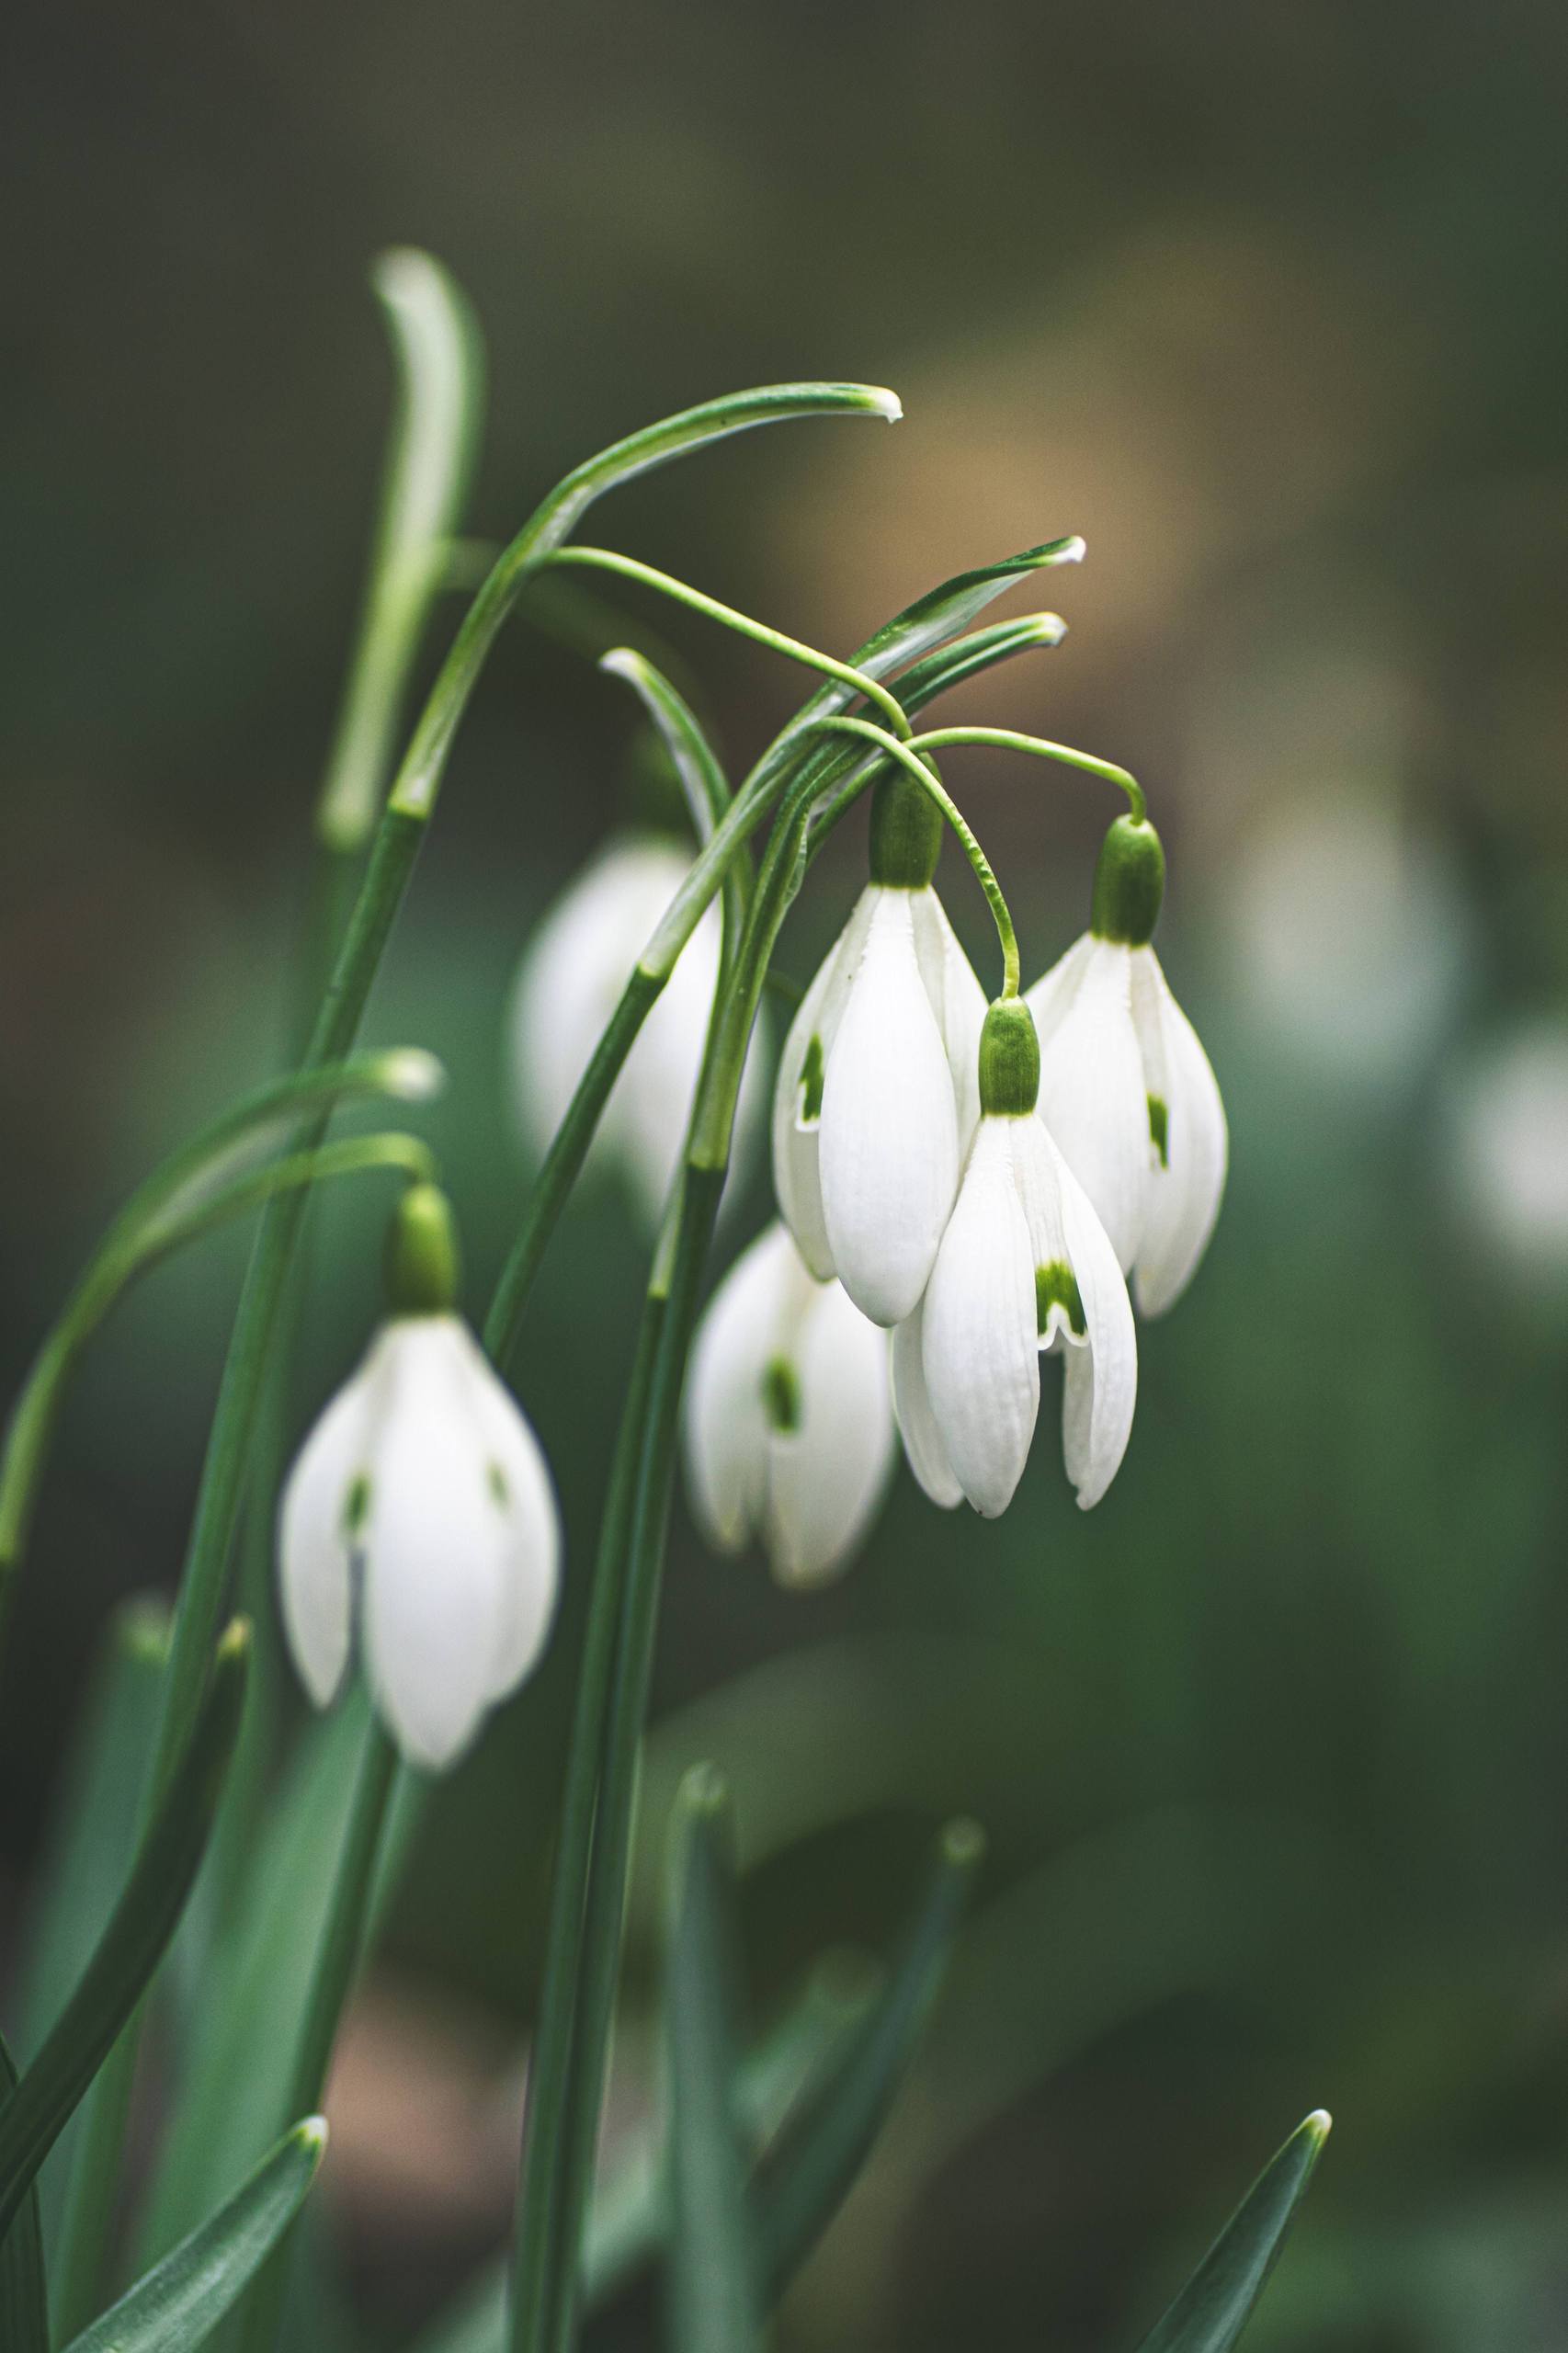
541, 2247
984, 872
338, 1962
629, 568
1008, 740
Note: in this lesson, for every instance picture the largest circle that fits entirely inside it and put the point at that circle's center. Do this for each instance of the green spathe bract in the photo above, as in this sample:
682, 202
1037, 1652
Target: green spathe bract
1130, 883
424, 1266
907, 834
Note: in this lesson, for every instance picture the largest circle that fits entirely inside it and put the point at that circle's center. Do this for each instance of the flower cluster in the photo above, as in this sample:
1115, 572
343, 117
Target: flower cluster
979, 1182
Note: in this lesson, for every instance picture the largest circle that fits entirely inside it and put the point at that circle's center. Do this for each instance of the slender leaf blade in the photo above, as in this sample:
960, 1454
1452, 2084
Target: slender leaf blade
1211, 2311
808, 2175
24, 2294
712, 2279
133, 1944
179, 2302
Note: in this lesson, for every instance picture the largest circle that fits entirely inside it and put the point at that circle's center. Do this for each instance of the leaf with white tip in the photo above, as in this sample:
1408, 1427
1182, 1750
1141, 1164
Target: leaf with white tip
1218, 2301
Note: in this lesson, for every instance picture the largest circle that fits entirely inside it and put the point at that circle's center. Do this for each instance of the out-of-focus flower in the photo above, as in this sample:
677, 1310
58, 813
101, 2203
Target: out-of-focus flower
789, 1419
1025, 1268
419, 1518
1126, 1089
1351, 939
570, 983
1507, 1117
875, 1100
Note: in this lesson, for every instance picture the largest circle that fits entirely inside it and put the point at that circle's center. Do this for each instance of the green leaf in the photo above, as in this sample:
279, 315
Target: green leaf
94, 1829
711, 2276
1217, 2301
692, 757
944, 611
808, 2175
133, 1944
175, 2307
24, 2296
246, 2034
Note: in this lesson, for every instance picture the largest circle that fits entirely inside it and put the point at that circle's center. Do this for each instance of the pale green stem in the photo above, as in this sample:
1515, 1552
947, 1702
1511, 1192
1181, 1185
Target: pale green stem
1006, 739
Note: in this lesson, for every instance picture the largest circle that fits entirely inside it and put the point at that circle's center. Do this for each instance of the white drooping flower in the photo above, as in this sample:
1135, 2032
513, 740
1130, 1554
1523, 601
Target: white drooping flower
1126, 1089
876, 1098
1025, 1269
419, 1523
1506, 1106
570, 983
789, 1419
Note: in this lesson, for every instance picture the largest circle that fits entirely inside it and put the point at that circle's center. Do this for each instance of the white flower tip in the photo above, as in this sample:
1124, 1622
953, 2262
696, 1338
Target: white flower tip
882, 403
413, 1074
1320, 2124
621, 662
1048, 628
312, 2135
1072, 551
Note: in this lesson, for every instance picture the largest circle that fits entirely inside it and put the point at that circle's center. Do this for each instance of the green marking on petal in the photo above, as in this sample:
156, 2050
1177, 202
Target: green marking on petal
1160, 1129
781, 1395
1057, 1286
811, 1083
356, 1505
495, 1480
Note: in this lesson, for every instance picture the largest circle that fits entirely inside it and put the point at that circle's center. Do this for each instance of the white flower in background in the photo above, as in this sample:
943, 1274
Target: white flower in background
1126, 1089
789, 1420
419, 1522
876, 1098
1508, 1121
1025, 1269
570, 983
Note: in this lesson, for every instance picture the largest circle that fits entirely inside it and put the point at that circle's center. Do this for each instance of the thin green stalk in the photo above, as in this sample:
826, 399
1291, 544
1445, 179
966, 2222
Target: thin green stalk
629, 568
1008, 739
930, 783
337, 1964
539, 2244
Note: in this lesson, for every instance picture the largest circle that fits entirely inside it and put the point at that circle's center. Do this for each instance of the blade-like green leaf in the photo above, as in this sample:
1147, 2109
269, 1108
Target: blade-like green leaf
24, 2296
695, 763
94, 1830
245, 2036
807, 2176
711, 2278
179, 2302
630, 2216
133, 1944
1217, 2301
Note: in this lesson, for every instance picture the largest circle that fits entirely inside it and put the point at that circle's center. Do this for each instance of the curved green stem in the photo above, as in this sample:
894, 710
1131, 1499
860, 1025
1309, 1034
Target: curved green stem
695, 763
628, 567
1009, 740
931, 784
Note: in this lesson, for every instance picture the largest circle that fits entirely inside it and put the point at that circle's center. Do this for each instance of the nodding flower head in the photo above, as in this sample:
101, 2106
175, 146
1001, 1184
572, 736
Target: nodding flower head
876, 1095
789, 1421
1025, 1269
569, 985
1125, 1087
419, 1521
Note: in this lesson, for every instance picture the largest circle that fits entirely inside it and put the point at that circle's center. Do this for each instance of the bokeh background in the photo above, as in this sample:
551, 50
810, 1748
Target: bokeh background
1271, 304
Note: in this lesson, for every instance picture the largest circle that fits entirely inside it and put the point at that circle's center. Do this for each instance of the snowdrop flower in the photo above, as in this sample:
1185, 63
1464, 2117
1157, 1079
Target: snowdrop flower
789, 1420
419, 1520
1126, 1089
1507, 1136
570, 983
876, 1096
1025, 1269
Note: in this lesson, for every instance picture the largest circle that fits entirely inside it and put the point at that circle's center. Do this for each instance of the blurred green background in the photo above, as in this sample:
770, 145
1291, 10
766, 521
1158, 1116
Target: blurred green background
1272, 305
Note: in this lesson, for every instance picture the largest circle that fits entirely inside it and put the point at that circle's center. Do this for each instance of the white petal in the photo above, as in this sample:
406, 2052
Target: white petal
653, 1095
532, 1517
1100, 1378
826, 1478
436, 1547
726, 1423
796, 1176
314, 1549
1052, 994
1184, 1193
958, 1000
923, 1447
1092, 1093
979, 1349
889, 1142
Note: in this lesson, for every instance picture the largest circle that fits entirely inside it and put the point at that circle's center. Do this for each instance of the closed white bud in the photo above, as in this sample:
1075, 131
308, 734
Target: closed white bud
789, 1421
569, 985
419, 1523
